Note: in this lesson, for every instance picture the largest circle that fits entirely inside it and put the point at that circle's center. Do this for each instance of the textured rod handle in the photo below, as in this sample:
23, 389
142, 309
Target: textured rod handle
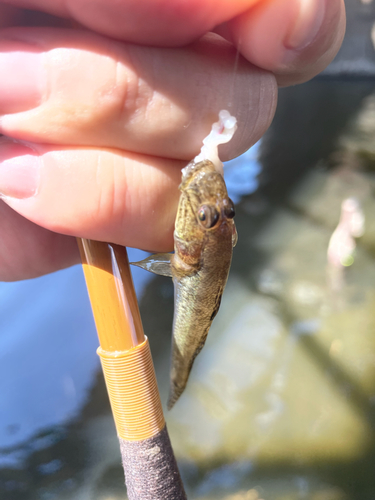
133, 392
151, 470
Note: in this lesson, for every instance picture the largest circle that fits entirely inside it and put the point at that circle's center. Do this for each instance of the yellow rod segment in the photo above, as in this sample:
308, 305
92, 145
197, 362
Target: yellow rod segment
112, 295
124, 350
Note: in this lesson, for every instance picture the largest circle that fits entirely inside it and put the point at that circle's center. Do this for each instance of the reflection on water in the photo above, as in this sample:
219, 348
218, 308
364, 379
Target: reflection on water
281, 401
40, 322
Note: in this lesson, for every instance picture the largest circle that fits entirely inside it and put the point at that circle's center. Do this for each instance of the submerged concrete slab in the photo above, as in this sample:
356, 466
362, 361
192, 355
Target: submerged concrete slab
356, 58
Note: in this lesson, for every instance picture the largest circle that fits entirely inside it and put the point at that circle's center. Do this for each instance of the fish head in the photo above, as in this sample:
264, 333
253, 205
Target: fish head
205, 211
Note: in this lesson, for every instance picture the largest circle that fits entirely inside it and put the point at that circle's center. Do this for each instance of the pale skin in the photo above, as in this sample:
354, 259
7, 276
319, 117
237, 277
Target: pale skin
100, 111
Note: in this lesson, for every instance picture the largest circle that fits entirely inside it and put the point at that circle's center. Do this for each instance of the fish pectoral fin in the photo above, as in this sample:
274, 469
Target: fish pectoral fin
159, 263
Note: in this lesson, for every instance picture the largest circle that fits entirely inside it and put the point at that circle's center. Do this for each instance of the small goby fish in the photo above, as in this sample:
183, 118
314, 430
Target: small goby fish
204, 237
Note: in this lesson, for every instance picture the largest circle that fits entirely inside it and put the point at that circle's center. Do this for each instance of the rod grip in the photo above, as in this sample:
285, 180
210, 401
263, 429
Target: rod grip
151, 470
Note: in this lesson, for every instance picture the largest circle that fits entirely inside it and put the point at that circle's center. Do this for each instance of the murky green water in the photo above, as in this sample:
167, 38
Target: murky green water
281, 402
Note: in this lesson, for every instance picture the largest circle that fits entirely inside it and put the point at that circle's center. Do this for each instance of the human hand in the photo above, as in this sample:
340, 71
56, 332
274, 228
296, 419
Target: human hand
102, 109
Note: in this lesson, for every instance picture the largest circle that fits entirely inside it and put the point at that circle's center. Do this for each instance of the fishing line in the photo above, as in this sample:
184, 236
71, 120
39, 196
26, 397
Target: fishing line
235, 68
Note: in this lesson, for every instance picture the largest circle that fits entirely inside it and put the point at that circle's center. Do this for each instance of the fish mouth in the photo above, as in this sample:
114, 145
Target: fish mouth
193, 168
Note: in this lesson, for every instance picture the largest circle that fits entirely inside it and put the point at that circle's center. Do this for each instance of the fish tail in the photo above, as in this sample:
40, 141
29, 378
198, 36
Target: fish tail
177, 386
180, 370
174, 394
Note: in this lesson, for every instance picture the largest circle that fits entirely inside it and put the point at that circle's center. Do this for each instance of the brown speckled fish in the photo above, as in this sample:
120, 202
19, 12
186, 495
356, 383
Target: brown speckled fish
204, 237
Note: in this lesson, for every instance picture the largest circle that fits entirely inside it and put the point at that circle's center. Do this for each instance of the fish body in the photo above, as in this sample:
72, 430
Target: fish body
204, 237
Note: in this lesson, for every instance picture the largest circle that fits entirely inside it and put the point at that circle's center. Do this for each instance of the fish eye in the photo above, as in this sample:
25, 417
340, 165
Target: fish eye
229, 209
208, 216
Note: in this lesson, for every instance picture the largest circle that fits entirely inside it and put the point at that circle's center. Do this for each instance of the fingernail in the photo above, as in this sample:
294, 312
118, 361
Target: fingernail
19, 170
307, 25
22, 80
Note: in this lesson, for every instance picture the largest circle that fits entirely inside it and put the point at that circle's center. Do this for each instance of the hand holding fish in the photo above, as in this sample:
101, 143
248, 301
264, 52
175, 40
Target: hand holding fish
102, 103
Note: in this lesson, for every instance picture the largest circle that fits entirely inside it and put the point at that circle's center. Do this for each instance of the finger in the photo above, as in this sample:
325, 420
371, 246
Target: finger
9, 16
83, 89
295, 40
104, 195
15, 16
28, 250
150, 22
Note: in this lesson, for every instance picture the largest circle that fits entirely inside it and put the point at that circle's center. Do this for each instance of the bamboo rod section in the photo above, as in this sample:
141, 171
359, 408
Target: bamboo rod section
150, 467
112, 295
